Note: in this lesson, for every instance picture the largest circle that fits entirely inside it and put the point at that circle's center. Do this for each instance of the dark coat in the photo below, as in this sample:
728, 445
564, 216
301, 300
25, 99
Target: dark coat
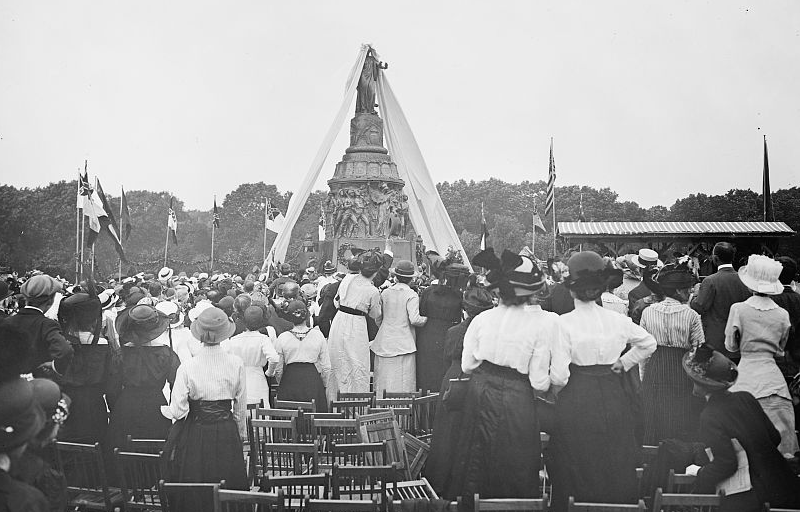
16, 496
738, 415
47, 341
790, 301
717, 293
327, 308
640, 292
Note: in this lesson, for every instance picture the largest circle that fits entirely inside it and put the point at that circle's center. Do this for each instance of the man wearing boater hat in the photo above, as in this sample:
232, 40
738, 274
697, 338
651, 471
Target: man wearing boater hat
647, 262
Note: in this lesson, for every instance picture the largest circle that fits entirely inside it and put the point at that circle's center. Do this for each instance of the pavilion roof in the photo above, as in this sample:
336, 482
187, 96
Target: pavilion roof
673, 229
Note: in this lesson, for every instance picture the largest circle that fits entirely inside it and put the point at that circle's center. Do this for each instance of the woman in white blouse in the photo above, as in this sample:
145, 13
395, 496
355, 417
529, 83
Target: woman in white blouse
304, 366
507, 353
594, 448
257, 351
209, 402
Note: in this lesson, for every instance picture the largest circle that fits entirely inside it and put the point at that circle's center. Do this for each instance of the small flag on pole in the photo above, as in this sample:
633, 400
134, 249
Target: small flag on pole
581, 215
90, 209
769, 210
125, 221
107, 221
537, 221
84, 189
551, 183
321, 224
274, 222
484, 231
216, 215
172, 223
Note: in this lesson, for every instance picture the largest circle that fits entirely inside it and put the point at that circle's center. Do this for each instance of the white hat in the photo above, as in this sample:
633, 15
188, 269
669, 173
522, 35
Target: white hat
202, 275
646, 258
199, 308
761, 275
165, 273
169, 308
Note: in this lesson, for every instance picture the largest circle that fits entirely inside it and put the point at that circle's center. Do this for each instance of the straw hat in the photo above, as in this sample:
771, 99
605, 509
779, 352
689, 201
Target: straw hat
213, 326
761, 274
404, 268
646, 258
171, 311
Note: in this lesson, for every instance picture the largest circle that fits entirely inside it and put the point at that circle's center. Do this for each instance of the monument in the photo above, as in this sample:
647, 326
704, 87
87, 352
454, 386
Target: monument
366, 206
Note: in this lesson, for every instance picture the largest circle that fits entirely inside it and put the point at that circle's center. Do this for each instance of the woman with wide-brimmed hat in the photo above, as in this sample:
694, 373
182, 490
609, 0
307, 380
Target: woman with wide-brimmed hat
758, 329
394, 346
86, 380
669, 408
303, 370
507, 354
594, 447
209, 402
732, 422
447, 424
148, 363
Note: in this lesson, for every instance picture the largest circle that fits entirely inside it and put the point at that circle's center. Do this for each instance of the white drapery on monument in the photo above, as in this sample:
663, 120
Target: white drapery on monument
425, 208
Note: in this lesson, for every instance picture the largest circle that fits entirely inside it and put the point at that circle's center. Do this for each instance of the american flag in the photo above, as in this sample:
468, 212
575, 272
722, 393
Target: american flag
216, 215
551, 183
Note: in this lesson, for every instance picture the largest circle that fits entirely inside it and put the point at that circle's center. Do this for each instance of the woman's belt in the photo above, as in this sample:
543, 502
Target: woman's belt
351, 311
210, 411
501, 371
597, 370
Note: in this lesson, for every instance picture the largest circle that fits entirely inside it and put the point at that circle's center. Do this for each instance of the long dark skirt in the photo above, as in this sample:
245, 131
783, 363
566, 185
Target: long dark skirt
593, 448
445, 442
500, 453
670, 410
301, 382
88, 415
205, 447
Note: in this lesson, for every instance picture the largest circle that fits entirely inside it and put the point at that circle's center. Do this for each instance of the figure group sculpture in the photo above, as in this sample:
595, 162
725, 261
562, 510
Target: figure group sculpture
368, 210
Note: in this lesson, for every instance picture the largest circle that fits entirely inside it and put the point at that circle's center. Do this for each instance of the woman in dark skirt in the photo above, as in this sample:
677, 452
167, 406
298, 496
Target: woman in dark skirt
209, 400
441, 304
594, 451
148, 363
86, 379
670, 410
304, 365
446, 426
507, 353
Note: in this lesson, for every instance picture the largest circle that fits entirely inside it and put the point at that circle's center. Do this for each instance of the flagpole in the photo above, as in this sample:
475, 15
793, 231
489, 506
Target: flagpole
266, 213
91, 266
83, 220
78, 216
533, 229
554, 205
213, 225
166, 244
121, 236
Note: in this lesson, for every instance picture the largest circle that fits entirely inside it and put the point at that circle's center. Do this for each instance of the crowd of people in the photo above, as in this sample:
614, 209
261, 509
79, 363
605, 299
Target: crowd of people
605, 355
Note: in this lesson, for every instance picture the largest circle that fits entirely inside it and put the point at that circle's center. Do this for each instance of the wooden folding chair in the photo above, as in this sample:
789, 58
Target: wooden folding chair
330, 432
247, 501
510, 504
402, 394
260, 432
351, 408
143, 445
416, 454
84, 470
303, 406
680, 482
139, 475
266, 413
382, 426
415, 489
252, 408
297, 488
289, 458
180, 496
574, 506
359, 454
305, 425
366, 395
424, 414
342, 506
403, 415
364, 482
675, 502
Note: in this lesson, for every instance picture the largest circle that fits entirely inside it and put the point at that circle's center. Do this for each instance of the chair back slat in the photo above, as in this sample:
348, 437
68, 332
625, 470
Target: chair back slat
510, 504
424, 412
415, 489
359, 454
680, 482
364, 483
266, 413
83, 468
342, 506
352, 395
330, 432
139, 476
177, 496
678, 502
296, 488
247, 501
574, 506
289, 458
290, 404
351, 408
403, 415
382, 426
402, 394
143, 445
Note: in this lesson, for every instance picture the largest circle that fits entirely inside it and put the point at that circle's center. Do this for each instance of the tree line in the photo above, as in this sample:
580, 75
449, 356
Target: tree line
37, 225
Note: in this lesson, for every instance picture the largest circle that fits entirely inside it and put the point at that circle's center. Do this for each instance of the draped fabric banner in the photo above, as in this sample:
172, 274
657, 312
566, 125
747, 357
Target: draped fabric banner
428, 214
426, 210
299, 198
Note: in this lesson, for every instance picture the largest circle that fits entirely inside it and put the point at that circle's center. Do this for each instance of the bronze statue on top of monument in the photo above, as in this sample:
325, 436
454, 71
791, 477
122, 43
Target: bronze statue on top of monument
367, 84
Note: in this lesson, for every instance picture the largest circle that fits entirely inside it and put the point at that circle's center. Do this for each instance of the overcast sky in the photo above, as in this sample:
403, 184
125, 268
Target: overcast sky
653, 99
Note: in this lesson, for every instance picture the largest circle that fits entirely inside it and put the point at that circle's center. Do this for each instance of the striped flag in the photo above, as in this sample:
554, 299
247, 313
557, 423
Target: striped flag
125, 220
551, 183
484, 231
215, 220
107, 220
172, 223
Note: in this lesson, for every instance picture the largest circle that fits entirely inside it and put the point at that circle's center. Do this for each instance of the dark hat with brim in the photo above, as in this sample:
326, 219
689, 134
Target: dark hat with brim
709, 368
404, 268
675, 278
21, 416
141, 324
587, 270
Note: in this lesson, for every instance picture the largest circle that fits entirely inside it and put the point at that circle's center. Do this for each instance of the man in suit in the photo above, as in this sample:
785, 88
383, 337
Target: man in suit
647, 263
716, 294
49, 349
739, 416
